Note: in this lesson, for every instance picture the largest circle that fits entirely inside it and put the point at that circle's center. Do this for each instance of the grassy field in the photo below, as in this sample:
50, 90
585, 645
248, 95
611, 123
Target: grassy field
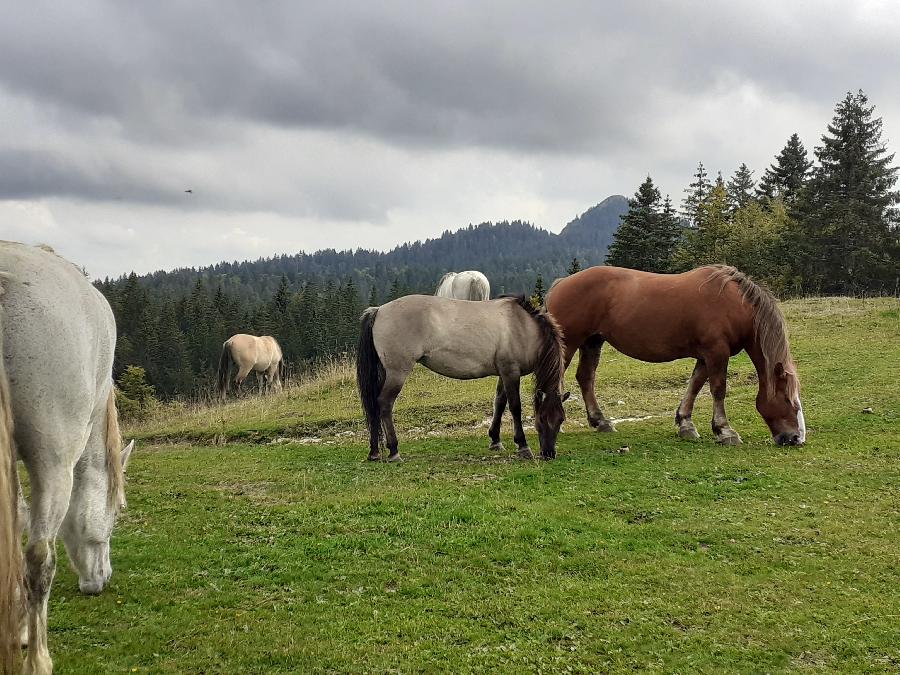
258, 540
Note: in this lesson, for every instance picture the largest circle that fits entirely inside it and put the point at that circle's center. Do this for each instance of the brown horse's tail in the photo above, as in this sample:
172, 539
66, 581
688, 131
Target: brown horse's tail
370, 378
225, 361
10, 543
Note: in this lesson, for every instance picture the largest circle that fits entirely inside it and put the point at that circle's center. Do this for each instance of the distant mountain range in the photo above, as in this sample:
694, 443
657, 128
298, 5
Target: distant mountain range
511, 254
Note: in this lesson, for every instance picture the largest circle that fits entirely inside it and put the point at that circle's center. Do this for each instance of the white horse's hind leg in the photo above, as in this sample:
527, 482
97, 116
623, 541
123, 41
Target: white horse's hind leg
51, 487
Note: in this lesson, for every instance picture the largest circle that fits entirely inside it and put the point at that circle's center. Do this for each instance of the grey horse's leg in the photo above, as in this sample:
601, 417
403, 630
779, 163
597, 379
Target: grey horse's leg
588, 360
393, 384
511, 385
686, 428
51, 487
499, 407
717, 370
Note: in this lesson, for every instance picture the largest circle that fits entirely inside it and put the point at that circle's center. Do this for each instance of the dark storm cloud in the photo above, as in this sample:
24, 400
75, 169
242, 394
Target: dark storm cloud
527, 77
409, 116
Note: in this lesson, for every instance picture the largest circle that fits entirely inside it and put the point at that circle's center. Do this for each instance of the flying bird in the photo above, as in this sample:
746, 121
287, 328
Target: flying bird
190, 192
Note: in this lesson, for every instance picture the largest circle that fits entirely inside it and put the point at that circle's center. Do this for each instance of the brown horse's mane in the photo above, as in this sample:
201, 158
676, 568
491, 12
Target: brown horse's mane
549, 369
768, 324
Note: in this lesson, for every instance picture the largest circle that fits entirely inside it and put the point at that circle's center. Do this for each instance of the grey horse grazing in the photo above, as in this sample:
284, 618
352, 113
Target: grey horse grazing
463, 340
58, 412
469, 285
249, 352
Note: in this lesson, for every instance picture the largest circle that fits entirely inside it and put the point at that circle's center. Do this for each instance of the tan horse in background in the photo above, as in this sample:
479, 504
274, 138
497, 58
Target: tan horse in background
249, 352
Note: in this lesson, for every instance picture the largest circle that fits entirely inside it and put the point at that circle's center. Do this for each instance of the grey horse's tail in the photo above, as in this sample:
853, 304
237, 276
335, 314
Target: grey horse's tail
225, 361
10, 540
370, 378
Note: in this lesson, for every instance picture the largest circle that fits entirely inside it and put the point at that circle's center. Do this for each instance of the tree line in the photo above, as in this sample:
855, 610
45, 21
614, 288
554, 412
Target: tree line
829, 226
823, 227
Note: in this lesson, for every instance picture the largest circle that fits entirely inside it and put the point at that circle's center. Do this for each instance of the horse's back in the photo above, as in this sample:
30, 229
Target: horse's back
653, 317
447, 335
58, 340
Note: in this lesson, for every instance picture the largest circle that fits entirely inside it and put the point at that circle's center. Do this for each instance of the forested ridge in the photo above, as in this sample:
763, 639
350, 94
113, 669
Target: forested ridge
828, 226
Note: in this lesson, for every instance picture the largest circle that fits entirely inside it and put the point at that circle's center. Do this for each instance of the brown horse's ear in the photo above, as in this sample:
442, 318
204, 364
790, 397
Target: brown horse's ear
779, 370
565, 397
540, 395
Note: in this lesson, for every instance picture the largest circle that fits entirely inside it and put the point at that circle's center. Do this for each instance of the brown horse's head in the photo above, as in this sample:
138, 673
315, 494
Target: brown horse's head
548, 418
779, 404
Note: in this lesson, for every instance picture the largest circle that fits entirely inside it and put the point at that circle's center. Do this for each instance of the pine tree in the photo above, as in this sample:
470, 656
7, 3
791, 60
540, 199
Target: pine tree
848, 234
574, 267
537, 296
696, 192
787, 176
740, 188
631, 245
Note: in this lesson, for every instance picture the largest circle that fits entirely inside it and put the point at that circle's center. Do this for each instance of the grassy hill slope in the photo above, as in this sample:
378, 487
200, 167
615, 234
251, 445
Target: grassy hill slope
672, 556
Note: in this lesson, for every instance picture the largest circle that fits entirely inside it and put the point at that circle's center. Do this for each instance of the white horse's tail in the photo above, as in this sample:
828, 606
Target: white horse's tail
443, 291
10, 544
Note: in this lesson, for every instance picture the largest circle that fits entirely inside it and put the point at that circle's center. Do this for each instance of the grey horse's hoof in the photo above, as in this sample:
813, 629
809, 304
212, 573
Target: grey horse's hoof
729, 437
498, 446
525, 453
395, 457
688, 433
604, 426
374, 458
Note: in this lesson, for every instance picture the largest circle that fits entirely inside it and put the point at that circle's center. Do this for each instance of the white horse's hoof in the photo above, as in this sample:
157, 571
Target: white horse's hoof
498, 446
525, 453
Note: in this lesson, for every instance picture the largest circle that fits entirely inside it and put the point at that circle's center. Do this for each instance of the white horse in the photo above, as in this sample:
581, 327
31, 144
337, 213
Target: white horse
259, 354
58, 411
469, 285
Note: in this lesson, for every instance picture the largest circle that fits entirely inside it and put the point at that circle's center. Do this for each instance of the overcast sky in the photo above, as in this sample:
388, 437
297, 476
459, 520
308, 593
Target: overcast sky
301, 126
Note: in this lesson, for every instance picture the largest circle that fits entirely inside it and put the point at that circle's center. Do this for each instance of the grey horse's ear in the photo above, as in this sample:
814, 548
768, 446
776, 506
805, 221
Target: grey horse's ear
565, 397
540, 395
126, 455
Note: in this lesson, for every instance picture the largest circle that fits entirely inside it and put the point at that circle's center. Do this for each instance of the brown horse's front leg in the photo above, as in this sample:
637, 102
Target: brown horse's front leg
499, 407
686, 428
718, 370
588, 360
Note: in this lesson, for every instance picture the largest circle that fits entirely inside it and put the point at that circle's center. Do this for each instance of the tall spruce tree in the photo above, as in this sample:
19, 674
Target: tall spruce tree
740, 188
574, 267
696, 192
788, 174
636, 241
847, 238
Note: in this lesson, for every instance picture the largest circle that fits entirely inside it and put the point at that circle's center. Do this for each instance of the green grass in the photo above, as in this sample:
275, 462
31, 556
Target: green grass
672, 556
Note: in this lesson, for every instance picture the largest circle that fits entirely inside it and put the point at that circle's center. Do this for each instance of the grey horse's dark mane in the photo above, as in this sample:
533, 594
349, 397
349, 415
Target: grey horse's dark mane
768, 324
549, 369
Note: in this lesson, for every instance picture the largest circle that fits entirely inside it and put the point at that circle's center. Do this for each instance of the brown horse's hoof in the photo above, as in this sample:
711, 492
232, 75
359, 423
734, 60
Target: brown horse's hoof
688, 433
525, 453
374, 458
605, 426
729, 437
498, 446
395, 457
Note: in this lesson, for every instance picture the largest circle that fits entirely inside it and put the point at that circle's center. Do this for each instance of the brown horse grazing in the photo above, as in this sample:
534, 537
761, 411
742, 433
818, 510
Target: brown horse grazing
710, 314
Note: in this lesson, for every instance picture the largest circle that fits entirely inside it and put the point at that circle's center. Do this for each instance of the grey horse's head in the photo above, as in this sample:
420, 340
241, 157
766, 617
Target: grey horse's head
549, 415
